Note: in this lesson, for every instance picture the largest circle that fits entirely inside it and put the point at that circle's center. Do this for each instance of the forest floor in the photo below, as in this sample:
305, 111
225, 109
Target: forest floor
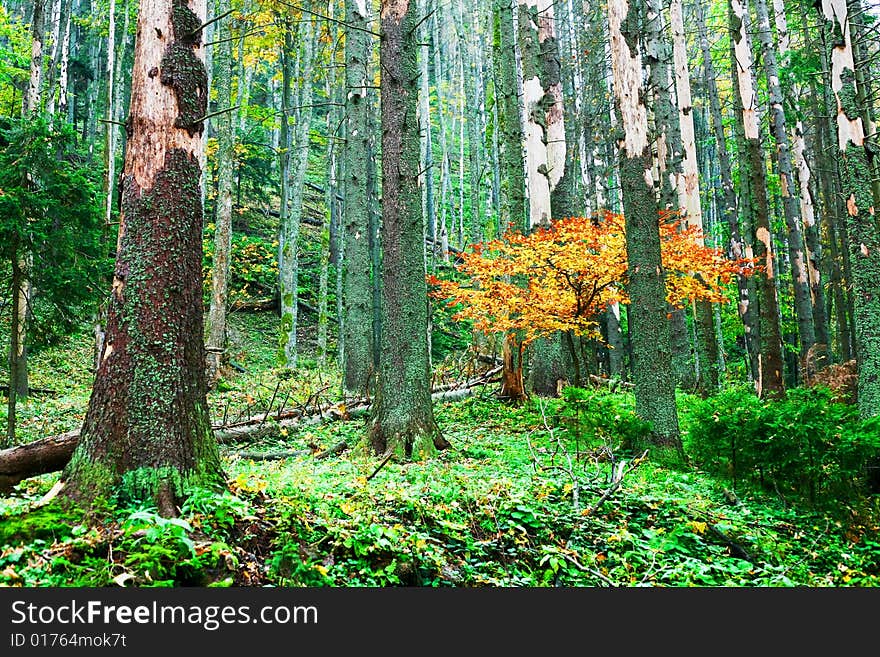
525, 497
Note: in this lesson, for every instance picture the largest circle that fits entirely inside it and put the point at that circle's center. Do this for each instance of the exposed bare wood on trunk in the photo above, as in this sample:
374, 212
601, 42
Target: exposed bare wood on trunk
147, 433
689, 190
648, 324
770, 365
689, 199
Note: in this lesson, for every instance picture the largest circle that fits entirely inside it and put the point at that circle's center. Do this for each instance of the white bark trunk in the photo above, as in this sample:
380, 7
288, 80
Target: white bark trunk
744, 73
848, 130
689, 188
626, 67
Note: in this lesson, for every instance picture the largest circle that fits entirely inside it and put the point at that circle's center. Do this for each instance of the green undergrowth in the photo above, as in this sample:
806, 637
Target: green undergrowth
540, 495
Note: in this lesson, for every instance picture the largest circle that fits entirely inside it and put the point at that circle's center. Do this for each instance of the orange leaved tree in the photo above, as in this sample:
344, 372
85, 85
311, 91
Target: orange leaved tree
560, 278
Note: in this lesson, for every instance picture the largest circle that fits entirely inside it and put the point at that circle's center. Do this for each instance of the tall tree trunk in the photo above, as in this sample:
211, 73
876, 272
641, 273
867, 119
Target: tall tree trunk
863, 82
64, 61
109, 127
327, 230
513, 196
738, 247
770, 368
56, 84
288, 237
812, 243
427, 140
147, 431
31, 106
471, 118
439, 85
403, 418
689, 198
649, 329
862, 231
789, 189
661, 106
216, 333
358, 355
544, 127
545, 154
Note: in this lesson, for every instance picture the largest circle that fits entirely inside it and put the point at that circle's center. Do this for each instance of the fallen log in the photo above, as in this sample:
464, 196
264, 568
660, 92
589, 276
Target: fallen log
31, 391
52, 453
36, 458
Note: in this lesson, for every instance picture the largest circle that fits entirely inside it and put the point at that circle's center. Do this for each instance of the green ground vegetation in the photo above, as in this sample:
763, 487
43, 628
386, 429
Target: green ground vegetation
545, 494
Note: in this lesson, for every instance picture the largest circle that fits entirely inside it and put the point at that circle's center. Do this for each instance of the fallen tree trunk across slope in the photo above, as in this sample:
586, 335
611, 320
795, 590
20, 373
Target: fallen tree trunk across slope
52, 453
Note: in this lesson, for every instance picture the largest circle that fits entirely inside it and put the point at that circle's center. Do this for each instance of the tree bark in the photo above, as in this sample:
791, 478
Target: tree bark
147, 431
403, 420
298, 159
862, 232
789, 189
689, 199
770, 365
358, 329
216, 333
737, 247
513, 210
649, 328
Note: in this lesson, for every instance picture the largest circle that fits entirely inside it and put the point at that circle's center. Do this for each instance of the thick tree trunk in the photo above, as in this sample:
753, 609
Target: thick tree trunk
358, 355
657, 59
863, 234
648, 325
403, 419
512, 386
545, 154
544, 127
147, 431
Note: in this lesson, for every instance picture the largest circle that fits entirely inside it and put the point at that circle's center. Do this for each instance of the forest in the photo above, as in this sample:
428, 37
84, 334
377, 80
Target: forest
429, 293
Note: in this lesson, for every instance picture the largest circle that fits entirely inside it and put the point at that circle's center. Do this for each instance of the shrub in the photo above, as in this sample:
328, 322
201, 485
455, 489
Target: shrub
598, 416
806, 445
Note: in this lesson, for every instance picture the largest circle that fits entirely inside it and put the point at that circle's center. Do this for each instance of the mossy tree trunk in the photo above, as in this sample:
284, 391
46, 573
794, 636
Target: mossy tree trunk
147, 431
357, 327
648, 325
770, 381
545, 155
403, 418
862, 229
513, 210
789, 189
